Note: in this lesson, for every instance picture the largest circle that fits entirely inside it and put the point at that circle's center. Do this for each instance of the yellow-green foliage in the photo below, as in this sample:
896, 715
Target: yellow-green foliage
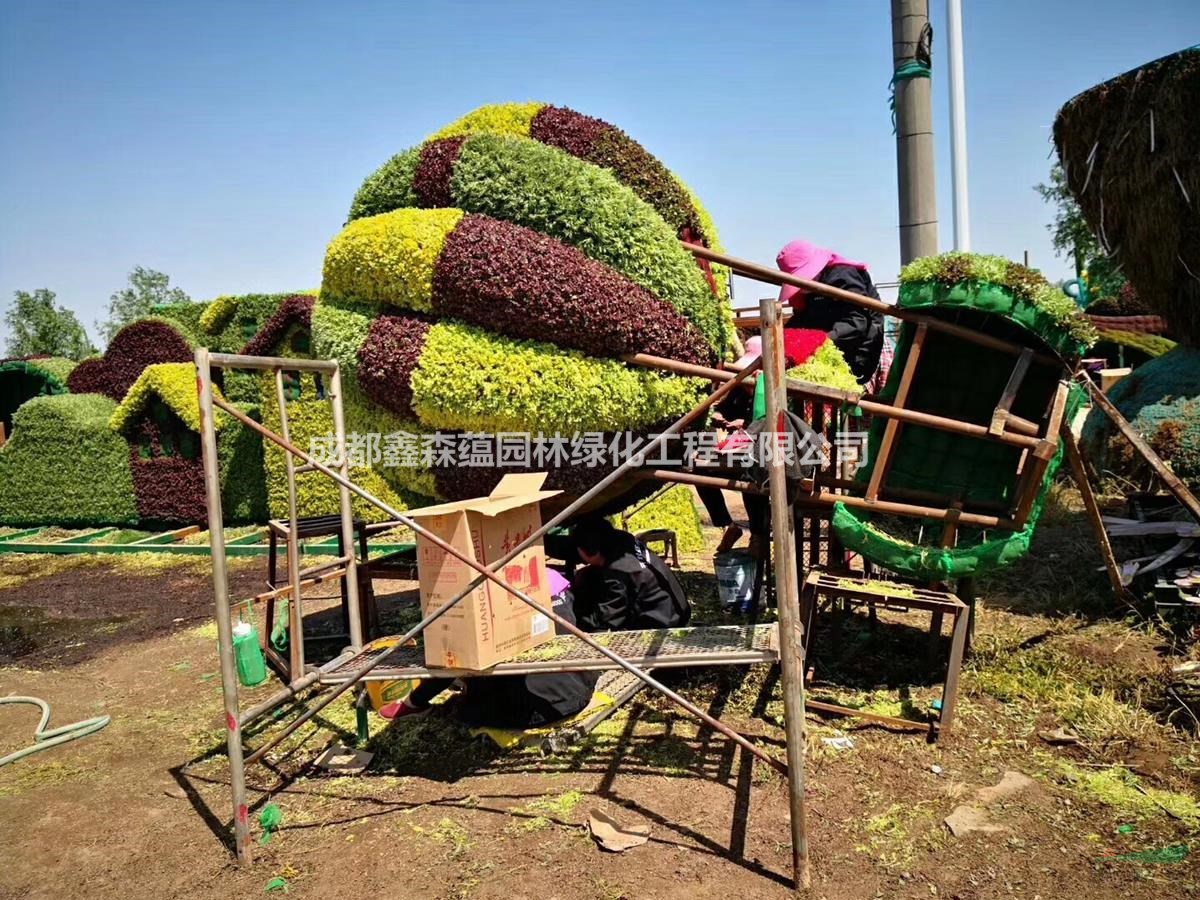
720, 273
475, 381
57, 367
175, 384
316, 493
217, 313
498, 118
338, 332
389, 259
673, 509
1153, 345
828, 368
1121, 789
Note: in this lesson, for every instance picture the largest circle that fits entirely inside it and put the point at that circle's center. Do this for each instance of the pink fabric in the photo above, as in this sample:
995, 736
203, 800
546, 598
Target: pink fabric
805, 260
558, 583
753, 352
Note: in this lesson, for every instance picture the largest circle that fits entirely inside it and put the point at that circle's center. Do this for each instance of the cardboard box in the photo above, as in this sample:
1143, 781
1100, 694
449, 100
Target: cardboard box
489, 625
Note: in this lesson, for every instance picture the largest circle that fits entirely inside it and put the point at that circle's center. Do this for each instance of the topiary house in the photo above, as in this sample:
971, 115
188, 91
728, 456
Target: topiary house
965, 381
25, 378
65, 466
160, 420
228, 323
139, 344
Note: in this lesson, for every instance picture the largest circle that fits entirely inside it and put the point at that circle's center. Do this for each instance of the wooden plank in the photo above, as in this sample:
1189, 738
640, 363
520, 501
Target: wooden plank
1037, 460
1075, 460
1000, 414
884, 458
90, 536
18, 535
787, 590
253, 538
169, 537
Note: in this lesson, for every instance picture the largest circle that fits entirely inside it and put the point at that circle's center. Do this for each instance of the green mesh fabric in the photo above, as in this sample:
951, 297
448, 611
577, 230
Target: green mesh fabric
962, 381
994, 299
958, 465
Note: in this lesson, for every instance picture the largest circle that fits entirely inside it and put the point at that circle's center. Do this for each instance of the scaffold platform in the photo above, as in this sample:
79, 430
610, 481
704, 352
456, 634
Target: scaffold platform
720, 645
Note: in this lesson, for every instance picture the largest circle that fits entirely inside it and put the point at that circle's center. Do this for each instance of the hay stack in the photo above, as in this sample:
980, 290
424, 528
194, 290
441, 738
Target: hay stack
1130, 148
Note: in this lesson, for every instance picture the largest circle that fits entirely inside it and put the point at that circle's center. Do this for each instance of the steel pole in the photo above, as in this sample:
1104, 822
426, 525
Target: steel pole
958, 127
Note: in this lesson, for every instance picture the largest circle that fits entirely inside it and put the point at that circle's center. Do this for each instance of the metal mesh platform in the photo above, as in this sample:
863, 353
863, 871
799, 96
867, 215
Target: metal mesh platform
723, 645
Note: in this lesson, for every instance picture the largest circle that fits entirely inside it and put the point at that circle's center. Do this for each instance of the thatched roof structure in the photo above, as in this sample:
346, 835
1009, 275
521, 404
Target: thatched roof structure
1130, 148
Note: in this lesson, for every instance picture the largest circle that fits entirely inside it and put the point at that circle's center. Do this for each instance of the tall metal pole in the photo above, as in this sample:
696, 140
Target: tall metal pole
787, 587
958, 127
914, 135
216, 537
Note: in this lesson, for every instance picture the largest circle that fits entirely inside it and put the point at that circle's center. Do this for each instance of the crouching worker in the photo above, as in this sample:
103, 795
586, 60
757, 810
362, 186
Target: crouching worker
510, 701
623, 586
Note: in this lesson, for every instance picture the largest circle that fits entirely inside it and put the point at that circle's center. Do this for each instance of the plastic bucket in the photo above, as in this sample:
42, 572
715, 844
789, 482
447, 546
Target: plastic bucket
381, 693
735, 579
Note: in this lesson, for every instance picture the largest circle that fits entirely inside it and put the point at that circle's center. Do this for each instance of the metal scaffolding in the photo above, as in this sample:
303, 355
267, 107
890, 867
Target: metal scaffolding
302, 676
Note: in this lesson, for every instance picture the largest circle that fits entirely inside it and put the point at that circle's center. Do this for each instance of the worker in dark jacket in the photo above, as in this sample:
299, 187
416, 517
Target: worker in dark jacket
510, 701
858, 332
623, 586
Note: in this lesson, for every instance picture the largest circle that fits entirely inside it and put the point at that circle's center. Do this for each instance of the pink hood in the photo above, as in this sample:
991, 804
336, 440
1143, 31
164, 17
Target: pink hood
805, 260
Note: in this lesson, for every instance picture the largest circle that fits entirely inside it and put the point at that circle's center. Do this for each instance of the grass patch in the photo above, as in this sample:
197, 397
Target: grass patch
1102, 699
450, 834
894, 836
1119, 788
875, 586
28, 777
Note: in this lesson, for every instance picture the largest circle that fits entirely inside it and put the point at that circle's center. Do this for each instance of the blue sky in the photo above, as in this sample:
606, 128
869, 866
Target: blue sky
221, 142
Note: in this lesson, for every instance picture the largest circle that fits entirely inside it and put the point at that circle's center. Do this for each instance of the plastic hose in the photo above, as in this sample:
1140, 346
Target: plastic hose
43, 738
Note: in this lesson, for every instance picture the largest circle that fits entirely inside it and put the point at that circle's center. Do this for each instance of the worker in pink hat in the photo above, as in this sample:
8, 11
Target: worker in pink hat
858, 332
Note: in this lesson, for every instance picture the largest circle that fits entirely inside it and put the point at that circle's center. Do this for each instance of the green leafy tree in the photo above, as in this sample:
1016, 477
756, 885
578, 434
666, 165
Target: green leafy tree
147, 289
38, 326
1073, 238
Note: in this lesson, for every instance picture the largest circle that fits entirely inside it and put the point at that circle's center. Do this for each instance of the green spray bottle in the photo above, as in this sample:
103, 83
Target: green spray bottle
251, 667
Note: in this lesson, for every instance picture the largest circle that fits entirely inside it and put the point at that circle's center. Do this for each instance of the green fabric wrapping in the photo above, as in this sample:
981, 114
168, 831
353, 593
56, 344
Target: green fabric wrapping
915, 561
993, 299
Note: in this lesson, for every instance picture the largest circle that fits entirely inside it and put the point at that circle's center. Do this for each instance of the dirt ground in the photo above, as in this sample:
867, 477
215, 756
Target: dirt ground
142, 808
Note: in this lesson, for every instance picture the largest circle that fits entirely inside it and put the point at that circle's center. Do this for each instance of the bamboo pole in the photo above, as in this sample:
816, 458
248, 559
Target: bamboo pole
229, 680
1002, 412
1169, 478
774, 276
828, 498
835, 396
883, 459
791, 637
1079, 473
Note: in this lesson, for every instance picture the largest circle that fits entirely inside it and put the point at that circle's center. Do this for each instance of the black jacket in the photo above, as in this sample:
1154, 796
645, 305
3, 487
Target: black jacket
526, 701
857, 332
633, 591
